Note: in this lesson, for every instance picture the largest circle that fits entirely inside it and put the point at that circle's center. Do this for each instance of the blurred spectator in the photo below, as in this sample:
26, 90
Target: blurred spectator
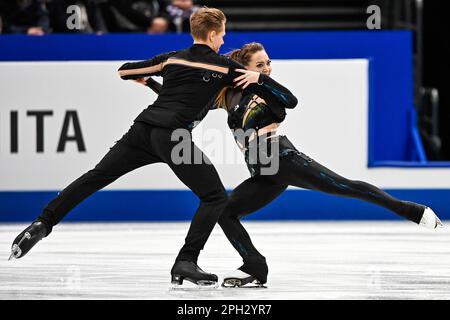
91, 15
104, 16
179, 12
97, 10
37, 17
159, 25
138, 16
24, 16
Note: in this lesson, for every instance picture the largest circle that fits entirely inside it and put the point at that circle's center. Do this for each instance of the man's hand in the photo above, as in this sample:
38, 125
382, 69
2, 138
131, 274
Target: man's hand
247, 78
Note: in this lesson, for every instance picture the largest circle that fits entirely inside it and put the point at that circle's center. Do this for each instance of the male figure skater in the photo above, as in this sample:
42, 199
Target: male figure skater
191, 78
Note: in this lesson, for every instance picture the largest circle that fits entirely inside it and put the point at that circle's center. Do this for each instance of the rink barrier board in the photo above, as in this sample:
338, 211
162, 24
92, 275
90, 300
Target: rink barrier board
180, 205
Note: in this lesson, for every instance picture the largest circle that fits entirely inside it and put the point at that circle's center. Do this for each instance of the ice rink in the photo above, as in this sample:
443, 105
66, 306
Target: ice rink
307, 260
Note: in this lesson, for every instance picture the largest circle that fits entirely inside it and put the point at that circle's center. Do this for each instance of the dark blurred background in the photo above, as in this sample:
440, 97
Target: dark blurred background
425, 18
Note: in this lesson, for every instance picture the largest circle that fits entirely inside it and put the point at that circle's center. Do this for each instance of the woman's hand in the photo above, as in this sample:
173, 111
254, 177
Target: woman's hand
247, 78
141, 81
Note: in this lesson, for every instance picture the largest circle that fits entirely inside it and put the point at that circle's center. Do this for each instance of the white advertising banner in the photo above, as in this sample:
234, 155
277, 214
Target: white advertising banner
57, 120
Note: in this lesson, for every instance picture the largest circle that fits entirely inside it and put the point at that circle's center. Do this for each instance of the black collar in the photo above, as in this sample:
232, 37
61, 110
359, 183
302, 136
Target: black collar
202, 47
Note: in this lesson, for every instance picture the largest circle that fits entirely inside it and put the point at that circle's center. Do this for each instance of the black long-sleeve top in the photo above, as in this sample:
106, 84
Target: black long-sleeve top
247, 111
191, 79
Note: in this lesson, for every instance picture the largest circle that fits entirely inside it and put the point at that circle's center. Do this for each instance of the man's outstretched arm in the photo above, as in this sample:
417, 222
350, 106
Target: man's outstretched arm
151, 67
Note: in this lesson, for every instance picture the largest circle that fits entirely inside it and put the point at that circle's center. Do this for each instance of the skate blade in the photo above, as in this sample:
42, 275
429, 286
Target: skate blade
242, 284
16, 252
194, 286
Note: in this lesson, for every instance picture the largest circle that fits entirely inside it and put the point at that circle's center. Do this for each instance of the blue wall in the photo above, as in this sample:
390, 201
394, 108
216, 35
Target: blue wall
390, 111
165, 205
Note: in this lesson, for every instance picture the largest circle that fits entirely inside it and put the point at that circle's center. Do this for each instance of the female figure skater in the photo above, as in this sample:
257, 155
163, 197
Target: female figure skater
248, 113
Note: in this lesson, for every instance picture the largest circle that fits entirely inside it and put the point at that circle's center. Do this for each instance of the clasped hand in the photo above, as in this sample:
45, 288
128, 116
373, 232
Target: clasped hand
248, 77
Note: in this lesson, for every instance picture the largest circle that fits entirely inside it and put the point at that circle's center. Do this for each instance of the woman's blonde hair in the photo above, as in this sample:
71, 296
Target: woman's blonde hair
243, 56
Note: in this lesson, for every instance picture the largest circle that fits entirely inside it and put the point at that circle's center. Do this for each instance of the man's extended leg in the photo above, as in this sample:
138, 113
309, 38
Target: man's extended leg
203, 180
120, 160
123, 157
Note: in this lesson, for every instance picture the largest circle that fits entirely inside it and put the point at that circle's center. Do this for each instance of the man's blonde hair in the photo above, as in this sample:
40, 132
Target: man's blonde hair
205, 20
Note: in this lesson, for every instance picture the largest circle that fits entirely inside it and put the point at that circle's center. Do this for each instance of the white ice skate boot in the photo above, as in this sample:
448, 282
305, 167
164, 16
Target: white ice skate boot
240, 279
430, 220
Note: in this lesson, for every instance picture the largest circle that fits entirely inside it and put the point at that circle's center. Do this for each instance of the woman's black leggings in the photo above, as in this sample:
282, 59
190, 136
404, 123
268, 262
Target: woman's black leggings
301, 171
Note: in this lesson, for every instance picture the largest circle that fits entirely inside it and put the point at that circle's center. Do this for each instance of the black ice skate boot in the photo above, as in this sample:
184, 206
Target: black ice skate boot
27, 239
187, 270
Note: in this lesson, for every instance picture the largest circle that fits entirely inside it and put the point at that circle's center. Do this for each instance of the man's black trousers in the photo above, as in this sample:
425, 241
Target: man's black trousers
144, 144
